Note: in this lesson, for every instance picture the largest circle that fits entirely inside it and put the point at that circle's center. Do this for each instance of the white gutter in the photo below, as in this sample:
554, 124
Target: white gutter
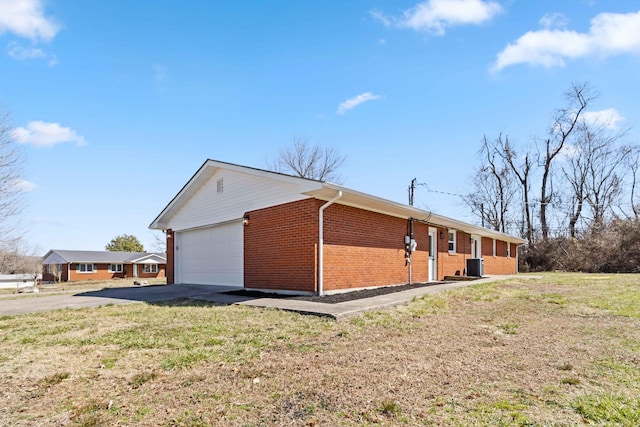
321, 240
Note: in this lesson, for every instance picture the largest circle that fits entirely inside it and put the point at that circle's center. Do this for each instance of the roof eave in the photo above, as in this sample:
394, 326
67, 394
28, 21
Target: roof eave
376, 204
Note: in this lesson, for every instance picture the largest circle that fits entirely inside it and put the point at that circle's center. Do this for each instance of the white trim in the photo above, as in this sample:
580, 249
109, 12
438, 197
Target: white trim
321, 241
116, 270
455, 239
86, 271
145, 266
494, 248
200, 227
476, 246
433, 258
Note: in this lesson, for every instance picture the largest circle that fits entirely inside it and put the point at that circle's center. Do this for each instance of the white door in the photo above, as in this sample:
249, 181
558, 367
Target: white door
476, 250
210, 256
433, 253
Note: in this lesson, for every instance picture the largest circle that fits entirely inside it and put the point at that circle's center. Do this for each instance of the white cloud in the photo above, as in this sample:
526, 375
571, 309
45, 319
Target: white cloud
25, 18
568, 152
609, 34
434, 16
21, 53
553, 20
352, 103
609, 118
43, 134
24, 185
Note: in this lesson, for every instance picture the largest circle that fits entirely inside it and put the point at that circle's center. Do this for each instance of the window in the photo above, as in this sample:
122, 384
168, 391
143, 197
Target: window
452, 241
150, 268
86, 268
115, 268
494, 247
508, 250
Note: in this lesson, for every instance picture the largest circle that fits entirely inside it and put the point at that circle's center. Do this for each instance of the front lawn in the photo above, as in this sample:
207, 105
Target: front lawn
561, 350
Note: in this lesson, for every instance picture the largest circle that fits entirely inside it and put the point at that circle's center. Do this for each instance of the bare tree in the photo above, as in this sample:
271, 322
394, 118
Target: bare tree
521, 165
17, 257
594, 170
633, 164
10, 173
159, 243
604, 181
493, 189
564, 123
575, 172
309, 161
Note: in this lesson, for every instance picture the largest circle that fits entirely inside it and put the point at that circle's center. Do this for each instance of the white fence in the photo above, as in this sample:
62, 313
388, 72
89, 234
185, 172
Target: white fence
17, 281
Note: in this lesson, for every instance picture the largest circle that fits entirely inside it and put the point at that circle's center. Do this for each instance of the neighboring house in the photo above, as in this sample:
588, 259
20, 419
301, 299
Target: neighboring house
241, 226
17, 281
70, 266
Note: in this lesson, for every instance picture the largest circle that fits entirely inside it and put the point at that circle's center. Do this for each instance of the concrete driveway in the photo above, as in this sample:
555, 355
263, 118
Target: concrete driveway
10, 305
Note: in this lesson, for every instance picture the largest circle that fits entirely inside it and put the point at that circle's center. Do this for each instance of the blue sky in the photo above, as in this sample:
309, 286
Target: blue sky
116, 104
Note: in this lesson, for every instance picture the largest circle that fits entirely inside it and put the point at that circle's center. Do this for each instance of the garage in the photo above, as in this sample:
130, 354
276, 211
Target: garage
210, 256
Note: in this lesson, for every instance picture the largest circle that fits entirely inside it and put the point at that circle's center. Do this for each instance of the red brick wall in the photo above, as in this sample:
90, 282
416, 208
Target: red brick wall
46, 277
364, 248
453, 263
361, 248
498, 264
141, 274
280, 246
100, 273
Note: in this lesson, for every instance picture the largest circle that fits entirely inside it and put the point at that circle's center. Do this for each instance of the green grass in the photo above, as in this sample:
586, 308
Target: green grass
469, 356
616, 293
609, 408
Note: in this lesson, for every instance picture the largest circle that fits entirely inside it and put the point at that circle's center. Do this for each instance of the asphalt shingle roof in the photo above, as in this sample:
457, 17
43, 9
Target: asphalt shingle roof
103, 256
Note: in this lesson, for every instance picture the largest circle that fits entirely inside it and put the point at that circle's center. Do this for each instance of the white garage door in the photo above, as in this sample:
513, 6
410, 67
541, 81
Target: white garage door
211, 256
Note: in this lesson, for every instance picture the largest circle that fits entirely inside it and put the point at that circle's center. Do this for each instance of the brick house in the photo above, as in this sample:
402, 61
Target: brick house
73, 266
241, 226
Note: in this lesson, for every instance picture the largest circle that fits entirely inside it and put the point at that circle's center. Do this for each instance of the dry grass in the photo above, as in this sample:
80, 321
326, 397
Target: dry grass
562, 350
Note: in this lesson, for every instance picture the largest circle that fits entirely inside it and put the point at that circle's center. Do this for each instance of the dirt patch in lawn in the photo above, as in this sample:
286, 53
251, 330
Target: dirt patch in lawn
335, 298
561, 350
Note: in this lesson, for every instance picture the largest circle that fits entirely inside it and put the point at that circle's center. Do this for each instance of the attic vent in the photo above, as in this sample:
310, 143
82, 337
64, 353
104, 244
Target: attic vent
220, 185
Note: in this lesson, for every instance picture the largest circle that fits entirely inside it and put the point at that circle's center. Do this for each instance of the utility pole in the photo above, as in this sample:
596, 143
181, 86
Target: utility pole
412, 188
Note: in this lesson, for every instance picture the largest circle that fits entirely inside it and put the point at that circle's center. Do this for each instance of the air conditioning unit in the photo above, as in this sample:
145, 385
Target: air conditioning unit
475, 267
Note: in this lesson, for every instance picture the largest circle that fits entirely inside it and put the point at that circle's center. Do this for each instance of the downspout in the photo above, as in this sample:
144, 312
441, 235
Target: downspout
321, 240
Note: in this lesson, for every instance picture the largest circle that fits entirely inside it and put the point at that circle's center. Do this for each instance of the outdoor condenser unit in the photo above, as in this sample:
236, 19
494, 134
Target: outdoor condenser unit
475, 267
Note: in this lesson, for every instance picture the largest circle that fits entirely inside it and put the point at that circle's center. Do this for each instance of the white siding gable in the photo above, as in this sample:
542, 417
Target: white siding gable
241, 192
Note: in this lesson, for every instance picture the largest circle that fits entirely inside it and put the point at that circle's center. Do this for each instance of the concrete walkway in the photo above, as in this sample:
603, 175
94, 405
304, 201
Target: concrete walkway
214, 294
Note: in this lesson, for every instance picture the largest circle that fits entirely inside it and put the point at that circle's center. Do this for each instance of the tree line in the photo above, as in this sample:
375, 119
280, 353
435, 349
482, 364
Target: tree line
571, 194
